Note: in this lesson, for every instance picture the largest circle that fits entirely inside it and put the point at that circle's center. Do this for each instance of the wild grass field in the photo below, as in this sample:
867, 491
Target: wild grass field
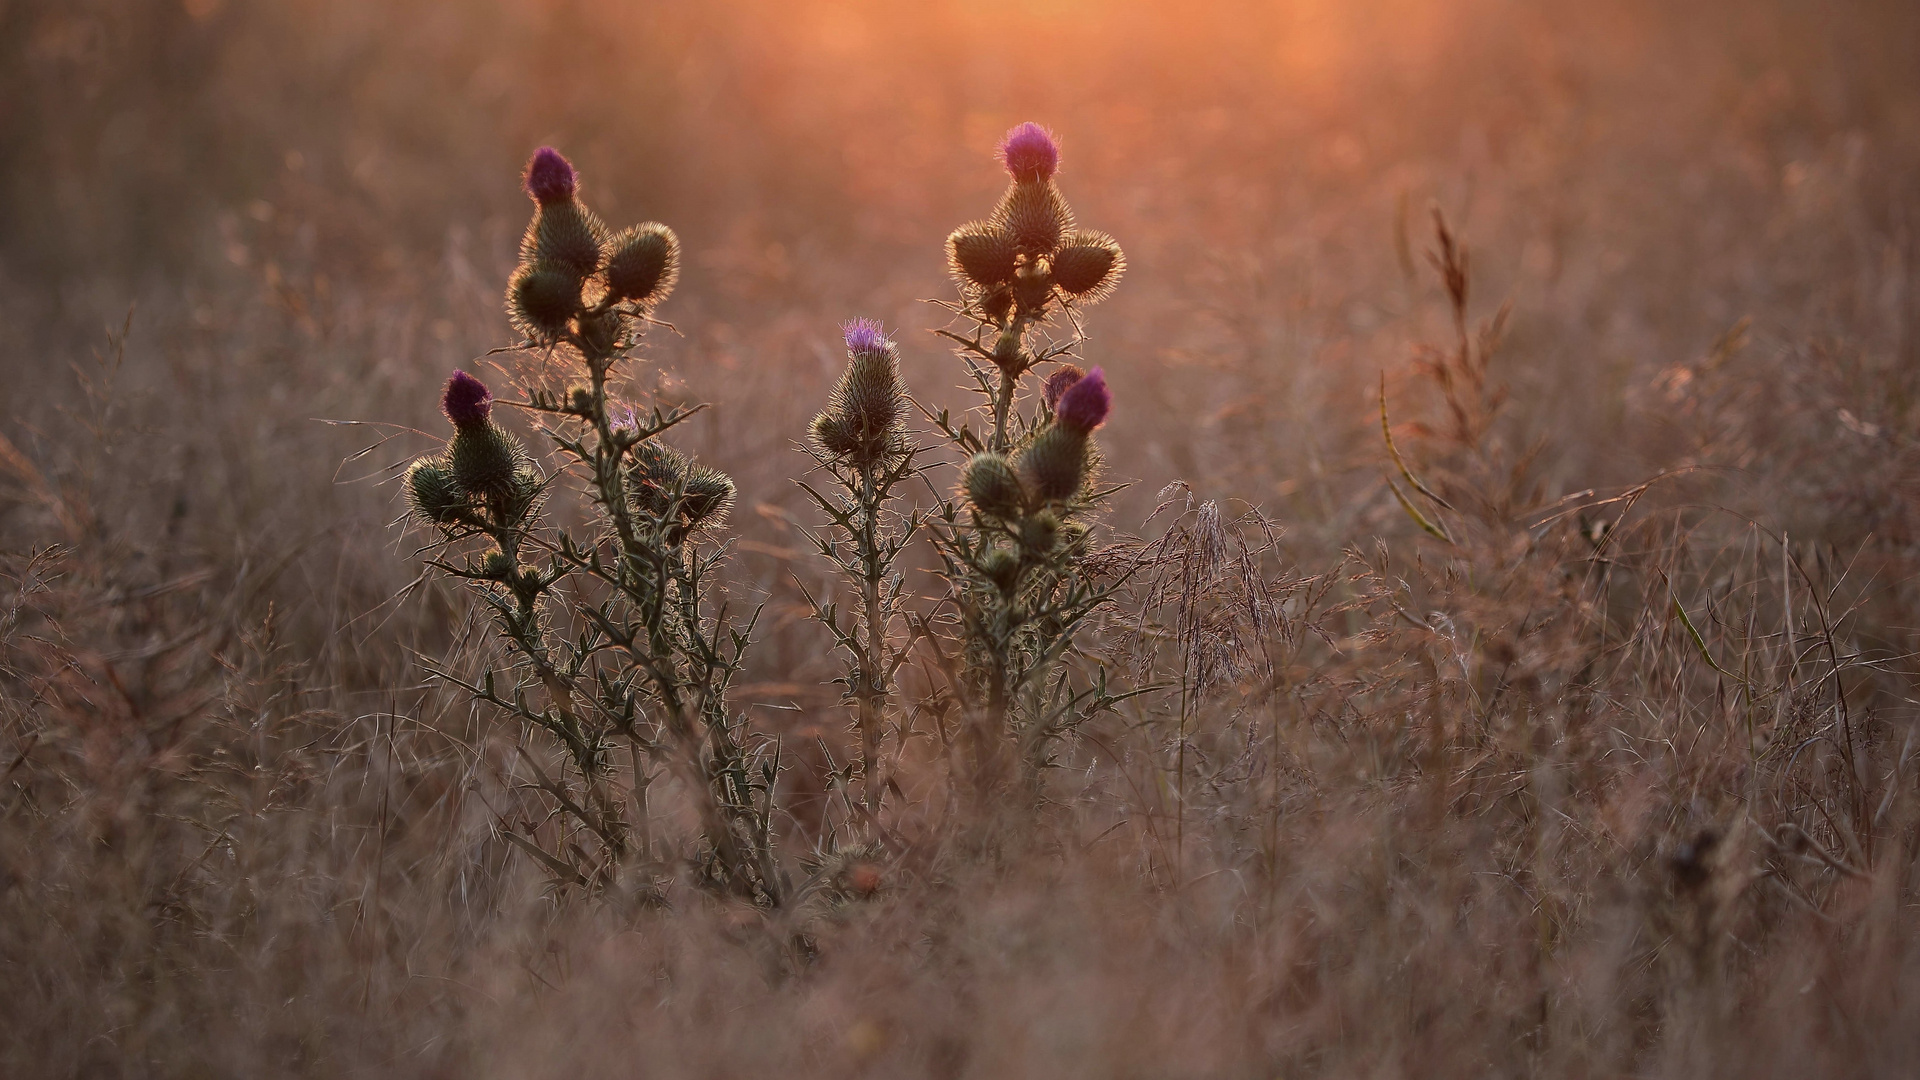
1503, 648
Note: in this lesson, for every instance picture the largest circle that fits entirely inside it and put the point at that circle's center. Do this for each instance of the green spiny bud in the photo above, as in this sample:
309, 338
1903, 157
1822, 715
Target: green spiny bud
1040, 533
658, 470
431, 490
529, 578
566, 234
832, 435
1002, 567
523, 493
1088, 266
581, 400
981, 253
659, 473
1054, 464
708, 498
497, 566
1034, 216
541, 299
486, 460
870, 391
642, 263
992, 487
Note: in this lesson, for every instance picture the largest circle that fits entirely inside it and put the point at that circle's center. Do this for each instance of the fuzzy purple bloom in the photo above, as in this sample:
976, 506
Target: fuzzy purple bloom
550, 177
1061, 381
864, 336
1086, 403
1030, 153
467, 401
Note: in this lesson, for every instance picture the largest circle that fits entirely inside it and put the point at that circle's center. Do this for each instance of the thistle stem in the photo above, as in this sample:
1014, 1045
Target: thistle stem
871, 694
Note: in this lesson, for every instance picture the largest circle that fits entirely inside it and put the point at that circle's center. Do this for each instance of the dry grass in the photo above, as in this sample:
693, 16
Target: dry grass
1618, 780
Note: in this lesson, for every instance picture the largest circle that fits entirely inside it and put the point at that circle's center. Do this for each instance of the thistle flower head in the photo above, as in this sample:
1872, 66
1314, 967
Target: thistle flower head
550, 177
862, 420
1061, 381
1030, 153
864, 336
1085, 404
467, 401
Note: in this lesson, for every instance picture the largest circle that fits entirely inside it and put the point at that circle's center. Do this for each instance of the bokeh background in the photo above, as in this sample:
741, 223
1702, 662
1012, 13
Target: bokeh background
312, 207
242, 242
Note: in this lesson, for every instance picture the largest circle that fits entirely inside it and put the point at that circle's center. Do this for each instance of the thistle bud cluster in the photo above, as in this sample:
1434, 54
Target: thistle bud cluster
864, 420
1048, 478
484, 477
1028, 254
577, 279
676, 490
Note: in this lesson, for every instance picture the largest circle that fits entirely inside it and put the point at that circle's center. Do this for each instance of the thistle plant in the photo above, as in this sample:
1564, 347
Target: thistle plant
860, 441
613, 636
1014, 543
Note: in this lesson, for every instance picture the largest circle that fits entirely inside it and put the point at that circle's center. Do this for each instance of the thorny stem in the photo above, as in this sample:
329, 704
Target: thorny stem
1014, 359
871, 694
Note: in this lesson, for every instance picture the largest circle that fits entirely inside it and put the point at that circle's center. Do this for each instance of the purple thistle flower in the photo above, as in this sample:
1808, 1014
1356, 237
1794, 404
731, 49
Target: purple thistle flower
1030, 153
550, 177
864, 335
467, 401
1061, 381
1086, 403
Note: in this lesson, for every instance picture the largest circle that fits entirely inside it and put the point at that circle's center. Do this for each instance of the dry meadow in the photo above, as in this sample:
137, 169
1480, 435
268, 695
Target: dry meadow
1571, 734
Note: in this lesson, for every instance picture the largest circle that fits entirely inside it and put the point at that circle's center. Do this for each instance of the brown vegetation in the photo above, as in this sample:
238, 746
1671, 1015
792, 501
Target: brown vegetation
1565, 730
